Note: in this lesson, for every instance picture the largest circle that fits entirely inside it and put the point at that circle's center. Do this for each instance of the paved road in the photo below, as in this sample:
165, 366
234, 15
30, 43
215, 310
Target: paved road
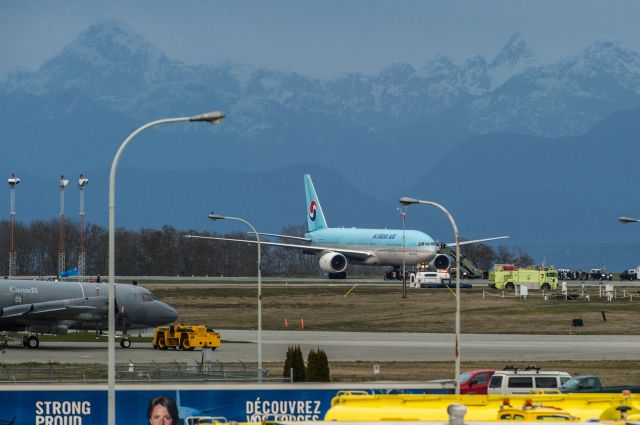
363, 346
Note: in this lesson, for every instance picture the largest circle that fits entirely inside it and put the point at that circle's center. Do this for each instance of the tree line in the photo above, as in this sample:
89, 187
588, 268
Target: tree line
167, 252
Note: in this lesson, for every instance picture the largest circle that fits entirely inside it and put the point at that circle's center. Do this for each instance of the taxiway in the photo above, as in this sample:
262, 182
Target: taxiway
241, 345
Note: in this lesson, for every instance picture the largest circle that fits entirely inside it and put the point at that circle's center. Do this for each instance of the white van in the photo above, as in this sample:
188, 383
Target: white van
526, 381
416, 279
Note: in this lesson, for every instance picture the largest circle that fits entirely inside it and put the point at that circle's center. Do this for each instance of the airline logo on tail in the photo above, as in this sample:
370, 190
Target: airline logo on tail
313, 209
315, 218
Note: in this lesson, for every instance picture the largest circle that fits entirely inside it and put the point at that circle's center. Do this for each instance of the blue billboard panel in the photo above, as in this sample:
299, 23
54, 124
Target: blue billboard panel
26, 405
234, 405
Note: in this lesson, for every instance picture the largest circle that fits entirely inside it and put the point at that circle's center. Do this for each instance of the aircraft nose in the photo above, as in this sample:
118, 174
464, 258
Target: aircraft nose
168, 314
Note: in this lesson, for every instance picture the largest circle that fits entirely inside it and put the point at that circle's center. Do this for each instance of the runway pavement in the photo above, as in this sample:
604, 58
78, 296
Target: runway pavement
353, 346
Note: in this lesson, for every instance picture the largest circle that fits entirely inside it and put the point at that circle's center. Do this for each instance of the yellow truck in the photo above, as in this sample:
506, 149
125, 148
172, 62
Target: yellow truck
507, 276
185, 337
531, 412
362, 407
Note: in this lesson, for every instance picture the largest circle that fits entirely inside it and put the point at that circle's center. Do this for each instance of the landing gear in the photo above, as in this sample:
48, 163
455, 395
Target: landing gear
125, 342
184, 344
162, 343
394, 274
31, 342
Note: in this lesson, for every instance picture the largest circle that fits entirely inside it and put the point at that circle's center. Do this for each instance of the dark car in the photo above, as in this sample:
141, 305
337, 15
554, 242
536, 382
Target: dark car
600, 274
629, 275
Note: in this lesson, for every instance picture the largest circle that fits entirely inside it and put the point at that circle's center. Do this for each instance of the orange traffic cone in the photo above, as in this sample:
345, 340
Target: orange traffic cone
301, 323
286, 324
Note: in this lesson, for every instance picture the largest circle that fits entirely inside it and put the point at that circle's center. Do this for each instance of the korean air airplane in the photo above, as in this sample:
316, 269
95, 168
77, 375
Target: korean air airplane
336, 247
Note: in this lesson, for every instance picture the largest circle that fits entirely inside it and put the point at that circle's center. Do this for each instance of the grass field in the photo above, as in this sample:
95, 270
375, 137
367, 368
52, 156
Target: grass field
611, 373
371, 308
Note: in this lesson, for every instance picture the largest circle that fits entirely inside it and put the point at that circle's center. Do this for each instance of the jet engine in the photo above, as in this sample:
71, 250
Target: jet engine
333, 262
441, 262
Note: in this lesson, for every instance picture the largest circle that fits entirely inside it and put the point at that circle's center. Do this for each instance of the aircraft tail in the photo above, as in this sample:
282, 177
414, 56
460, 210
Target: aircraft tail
315, 217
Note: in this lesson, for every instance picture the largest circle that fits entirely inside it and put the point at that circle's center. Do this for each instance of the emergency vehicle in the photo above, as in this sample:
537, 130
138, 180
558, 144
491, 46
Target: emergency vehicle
507, 276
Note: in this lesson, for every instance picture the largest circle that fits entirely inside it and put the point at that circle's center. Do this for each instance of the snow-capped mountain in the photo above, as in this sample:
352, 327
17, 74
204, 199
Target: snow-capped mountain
381, 132
563, 98
120, 70
514, 58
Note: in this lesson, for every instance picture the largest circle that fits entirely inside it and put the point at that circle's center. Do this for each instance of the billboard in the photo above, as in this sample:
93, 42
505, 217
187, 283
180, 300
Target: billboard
68, 405
62, 407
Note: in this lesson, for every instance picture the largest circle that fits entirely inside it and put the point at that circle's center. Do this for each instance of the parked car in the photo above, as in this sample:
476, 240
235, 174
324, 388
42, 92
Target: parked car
475, 381
592, 384
600, 274
525, 381
630, 274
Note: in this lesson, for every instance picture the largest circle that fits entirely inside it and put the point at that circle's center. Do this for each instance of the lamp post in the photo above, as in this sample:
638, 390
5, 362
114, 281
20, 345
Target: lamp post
13, 182
406, 201
82, 182
215, 217
626, 220
61, 255
212, 118
403, 214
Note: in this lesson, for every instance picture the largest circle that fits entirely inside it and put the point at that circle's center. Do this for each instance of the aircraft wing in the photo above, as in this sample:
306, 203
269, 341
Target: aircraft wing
54, 310
453, 244
307, 249
297, 238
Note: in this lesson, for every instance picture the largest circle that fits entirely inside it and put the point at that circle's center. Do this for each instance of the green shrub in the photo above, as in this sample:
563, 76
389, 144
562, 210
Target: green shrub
295, 361
318, 366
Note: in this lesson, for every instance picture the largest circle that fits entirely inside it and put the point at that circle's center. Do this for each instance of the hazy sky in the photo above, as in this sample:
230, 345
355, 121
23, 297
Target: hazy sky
320, 38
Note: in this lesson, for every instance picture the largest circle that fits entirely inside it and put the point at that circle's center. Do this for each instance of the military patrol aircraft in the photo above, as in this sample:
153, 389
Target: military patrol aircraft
335, 246
54, 307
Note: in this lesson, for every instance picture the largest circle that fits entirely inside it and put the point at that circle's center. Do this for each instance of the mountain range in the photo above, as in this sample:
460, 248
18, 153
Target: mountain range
542, 152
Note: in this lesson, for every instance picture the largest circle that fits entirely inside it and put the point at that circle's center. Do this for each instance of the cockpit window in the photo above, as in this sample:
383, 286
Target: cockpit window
148, 297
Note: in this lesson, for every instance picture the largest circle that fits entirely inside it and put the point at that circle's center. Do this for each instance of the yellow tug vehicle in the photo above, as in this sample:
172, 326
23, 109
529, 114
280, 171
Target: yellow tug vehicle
185, 337
359, 406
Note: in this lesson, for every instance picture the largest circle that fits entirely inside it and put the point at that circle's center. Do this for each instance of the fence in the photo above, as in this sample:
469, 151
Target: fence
608, 292
132, 373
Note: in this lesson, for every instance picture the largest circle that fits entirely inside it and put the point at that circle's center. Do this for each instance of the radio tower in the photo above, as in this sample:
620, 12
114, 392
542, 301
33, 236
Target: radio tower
63, 184
82, 182
13, 181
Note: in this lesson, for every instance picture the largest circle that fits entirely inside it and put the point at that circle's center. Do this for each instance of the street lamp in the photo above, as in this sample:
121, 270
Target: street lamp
215, 217
210, 117
13, 182
82, 182
403, 214
406, 201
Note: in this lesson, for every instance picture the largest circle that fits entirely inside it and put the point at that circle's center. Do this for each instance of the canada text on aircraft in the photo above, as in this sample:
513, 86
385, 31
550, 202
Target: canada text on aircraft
53, 307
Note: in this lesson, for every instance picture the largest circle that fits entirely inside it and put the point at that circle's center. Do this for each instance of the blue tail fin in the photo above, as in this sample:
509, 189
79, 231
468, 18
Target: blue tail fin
315, 217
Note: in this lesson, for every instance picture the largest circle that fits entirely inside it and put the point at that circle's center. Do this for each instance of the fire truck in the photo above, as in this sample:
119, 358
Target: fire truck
507, 276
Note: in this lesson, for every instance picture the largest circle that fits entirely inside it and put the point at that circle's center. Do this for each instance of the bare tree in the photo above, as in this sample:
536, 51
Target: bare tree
504, 256
483, 256
166, 252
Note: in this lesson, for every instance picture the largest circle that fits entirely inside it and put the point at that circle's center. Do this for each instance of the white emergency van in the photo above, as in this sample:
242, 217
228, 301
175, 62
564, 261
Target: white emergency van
526, 381
416, 279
